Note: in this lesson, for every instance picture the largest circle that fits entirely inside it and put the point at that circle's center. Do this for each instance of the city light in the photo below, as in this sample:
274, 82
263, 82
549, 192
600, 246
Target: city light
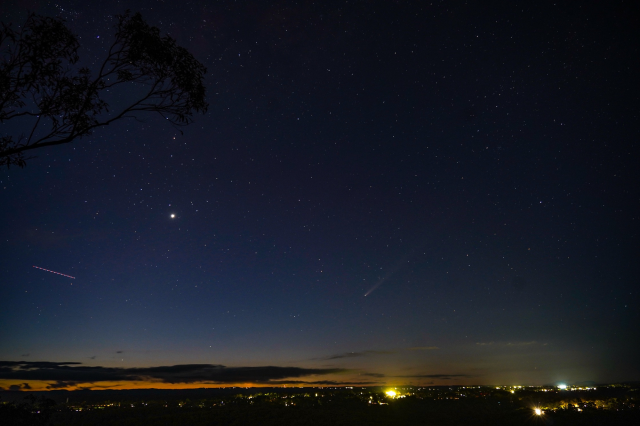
538, 412
391, 393
562, 387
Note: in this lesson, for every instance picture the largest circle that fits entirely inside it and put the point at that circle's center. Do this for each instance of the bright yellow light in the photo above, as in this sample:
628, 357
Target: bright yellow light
538, 412
391, 393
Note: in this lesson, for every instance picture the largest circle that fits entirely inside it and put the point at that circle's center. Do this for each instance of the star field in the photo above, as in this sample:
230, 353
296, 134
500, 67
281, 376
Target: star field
380, 193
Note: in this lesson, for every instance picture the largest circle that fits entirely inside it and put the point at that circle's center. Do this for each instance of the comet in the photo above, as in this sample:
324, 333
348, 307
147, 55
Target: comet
400, 264
379, 283
54, 272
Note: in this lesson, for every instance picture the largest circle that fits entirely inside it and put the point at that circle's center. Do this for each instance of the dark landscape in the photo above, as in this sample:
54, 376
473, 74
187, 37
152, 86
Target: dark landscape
438, 405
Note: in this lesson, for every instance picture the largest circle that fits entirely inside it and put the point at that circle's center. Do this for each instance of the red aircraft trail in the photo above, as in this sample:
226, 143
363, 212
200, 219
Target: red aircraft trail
54, 272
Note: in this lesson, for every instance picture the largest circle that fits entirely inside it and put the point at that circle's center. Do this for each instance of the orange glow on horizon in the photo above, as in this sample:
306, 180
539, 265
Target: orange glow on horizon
39, 386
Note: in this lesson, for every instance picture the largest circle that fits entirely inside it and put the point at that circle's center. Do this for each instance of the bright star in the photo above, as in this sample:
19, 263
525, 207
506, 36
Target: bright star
173, 216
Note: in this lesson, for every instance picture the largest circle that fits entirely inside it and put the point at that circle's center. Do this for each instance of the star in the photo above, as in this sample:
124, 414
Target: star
173, 216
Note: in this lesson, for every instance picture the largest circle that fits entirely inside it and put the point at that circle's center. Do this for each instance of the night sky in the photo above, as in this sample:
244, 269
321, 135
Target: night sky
381, 193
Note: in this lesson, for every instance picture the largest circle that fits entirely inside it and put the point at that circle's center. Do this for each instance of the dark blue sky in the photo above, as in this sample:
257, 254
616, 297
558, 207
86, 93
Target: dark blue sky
472, 166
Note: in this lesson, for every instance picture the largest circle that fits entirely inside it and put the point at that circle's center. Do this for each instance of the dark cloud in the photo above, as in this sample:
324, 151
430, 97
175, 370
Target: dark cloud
356, 354
63, 371
34, 364
119, 352
321, 383
24, 386
373, 374
438, 376
71, 372
333, 383
60, 385
221, 374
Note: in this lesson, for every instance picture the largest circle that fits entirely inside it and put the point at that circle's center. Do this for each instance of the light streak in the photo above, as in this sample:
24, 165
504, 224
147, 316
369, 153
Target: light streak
377, 285
400, 264
54, 272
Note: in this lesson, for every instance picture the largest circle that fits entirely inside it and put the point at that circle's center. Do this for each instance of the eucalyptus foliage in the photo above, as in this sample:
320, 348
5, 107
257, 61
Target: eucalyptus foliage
57, 102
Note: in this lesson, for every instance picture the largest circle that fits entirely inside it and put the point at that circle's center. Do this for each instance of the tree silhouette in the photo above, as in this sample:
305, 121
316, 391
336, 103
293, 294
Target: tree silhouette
57, 103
